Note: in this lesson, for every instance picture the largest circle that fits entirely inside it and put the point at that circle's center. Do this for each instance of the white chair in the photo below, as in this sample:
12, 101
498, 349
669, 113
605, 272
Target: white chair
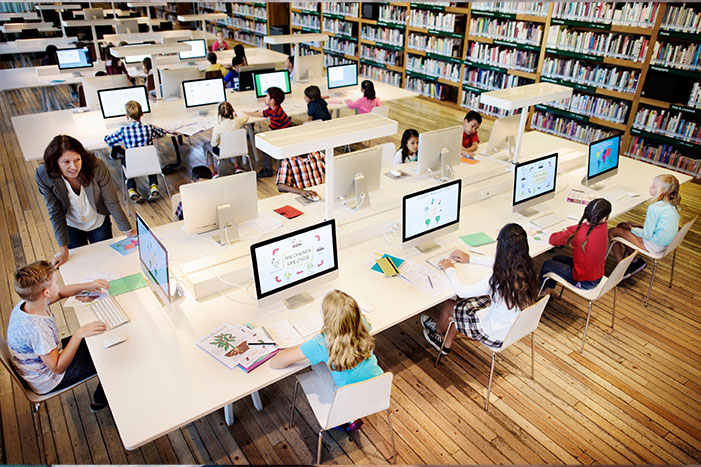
333, 406
526, 323
591, 295
141, 162
381, 110
388, 151
233, 144
671, 248
34, 398
174, 201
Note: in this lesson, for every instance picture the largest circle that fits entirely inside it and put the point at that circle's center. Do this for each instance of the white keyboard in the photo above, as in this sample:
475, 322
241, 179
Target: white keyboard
434, 260
548, 220
109, 312
309, 325
614, 195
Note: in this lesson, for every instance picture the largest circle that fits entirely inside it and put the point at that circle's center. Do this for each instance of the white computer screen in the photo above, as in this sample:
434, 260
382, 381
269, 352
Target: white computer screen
204, 92
603, 156
342, 75
293, 258
199, 49
112, 100
534, 178
135, 58
153, 256
73, 58
428, 210
263, 81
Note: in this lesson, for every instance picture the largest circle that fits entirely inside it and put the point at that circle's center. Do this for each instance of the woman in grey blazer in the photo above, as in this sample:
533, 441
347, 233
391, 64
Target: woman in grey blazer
79, 195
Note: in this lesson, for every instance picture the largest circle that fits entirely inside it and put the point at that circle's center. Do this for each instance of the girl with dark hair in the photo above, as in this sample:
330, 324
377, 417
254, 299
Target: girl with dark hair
317, 108
50, 55
409, 150
240, 51
488, 308
368, 101
79, 195
589, 240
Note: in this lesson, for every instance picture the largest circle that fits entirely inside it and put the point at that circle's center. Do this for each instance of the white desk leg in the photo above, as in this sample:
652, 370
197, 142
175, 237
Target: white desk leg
63, 26
229, 414
257, 403
98, 58
156, 79
252, 139
329, 183
519, 136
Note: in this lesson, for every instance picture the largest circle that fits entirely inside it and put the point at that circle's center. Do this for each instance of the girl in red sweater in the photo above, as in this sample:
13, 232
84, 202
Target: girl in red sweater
589, 243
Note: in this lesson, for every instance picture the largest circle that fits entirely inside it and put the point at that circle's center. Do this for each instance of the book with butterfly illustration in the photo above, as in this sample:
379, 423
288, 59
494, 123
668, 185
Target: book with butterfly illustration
233, 345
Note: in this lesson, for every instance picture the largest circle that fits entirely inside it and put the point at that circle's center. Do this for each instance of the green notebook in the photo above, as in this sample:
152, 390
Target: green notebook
127, 284
477, 239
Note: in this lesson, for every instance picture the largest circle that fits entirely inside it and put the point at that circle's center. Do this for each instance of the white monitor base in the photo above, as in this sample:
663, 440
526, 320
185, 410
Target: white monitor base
298, 300
427, 246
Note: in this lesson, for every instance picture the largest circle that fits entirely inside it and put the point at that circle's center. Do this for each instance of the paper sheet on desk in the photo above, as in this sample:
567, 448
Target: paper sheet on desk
189, 129
284, 334
418, 275
264, 223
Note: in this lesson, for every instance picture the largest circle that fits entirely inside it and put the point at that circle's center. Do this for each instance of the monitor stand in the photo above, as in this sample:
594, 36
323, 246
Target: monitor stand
428, 246
228, 232
542, 219
77, 74
600, 186
362, 197
297, 300
444, 158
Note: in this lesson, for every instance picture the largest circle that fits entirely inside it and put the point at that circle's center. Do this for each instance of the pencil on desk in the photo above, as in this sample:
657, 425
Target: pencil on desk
429, 280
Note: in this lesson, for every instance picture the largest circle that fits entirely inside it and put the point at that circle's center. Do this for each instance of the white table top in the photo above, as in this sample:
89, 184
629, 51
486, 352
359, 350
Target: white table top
24, 46
254, 56
18, 27
25, 15
154, 49
523, 96
296, 38
161, 353
145, 4
202, 16
149, 36
27, 77
59, 7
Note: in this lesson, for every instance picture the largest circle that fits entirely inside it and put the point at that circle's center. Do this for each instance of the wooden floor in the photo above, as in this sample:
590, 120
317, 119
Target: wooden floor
633, 397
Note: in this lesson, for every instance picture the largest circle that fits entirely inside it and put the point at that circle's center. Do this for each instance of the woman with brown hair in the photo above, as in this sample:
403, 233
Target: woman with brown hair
80, 196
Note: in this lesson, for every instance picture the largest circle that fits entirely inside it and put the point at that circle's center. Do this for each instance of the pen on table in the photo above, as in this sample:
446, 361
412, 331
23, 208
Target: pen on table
477, 252
429, 280
261, 343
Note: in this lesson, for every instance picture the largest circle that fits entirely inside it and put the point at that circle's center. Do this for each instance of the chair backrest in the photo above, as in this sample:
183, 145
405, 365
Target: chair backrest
94, 83
6, 359
388, 151
213, 74
679, 238
359, 400
142, 161
174, 201
233, 143
526, 322
381, 110
617, 274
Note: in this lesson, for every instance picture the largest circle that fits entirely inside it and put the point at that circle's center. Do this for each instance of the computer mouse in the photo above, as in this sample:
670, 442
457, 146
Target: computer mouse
314, 197
395, 173
114, 340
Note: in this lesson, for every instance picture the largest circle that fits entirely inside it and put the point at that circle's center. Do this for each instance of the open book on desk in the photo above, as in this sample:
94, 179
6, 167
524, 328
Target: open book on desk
235, 345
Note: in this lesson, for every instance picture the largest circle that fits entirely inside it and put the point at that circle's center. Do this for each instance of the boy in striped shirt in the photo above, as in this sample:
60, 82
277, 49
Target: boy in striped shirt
278, 119
298, 173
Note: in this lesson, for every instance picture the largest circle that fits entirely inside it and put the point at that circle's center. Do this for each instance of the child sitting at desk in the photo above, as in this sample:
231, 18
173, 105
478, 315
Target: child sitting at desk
231, 80
298, 173
45, 362
240, 51
214, 66
317, 108
369, 100
135, 135
115, 65
409, 151
220, 43
227, 120
199, 173
470, 125
278, 119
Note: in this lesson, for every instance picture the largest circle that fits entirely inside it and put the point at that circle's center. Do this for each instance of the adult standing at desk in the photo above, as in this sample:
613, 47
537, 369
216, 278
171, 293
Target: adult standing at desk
80, 196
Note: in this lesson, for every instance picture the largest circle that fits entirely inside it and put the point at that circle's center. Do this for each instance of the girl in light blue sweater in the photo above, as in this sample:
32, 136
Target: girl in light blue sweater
660, 227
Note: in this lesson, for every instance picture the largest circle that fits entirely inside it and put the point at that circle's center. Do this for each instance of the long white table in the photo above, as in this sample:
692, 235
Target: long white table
28, 46
159, 380
16, 28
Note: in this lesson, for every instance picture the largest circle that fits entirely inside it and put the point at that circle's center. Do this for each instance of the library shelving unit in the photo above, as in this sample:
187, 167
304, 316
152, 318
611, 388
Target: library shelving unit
341, 22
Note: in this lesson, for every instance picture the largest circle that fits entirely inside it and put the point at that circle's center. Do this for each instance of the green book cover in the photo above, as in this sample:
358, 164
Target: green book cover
127, 284
477, 239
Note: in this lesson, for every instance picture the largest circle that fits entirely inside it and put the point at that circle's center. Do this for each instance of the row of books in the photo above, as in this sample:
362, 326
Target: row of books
427, 88
250, 25
604, 108
471, 100
333, 60
506, 57
588, 74
440, 45
380, 55
249, 10
380, 74
434, 68
248, 38
518, 8
392, 14
695, 96
392, 36
638, 14
342, 8
431, 19
567, 128
494, 28
343, 46
641, 148
673, 124
491, 80
338, 26
312, 6
685, 56
306, 21
682, 18
625, 46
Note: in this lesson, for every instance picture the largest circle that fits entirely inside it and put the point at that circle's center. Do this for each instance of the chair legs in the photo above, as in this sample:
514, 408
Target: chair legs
532, 353
652, 278
489, 386
586, 325
294, 399
671, 275
42, 450
440, 352
165, 183
613, 309
391, 436
318, 447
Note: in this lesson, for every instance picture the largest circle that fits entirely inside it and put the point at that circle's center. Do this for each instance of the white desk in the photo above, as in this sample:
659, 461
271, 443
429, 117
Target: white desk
29, 46
16, 28
202, 18
25, 16
99, 22
296, 39
156, 36
159, 380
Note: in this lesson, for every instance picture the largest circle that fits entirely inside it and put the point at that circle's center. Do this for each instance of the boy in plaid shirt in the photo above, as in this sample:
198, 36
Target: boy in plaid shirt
278, 119
298, 173
136, 135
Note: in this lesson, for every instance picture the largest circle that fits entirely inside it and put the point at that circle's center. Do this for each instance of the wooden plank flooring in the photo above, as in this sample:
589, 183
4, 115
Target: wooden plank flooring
631, 398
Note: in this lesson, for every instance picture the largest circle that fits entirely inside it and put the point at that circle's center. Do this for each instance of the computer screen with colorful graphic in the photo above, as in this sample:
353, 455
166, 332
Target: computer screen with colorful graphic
534, 178
294, 258
153, 257
429, 210
603, 156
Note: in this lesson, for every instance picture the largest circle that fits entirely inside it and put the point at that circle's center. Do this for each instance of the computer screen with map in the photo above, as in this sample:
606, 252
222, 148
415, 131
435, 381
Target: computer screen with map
603, 159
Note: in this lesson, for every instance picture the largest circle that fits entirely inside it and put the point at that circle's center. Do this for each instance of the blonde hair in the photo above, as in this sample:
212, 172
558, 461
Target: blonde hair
347, 339
669, 190
133, 110
225, 110
32, 279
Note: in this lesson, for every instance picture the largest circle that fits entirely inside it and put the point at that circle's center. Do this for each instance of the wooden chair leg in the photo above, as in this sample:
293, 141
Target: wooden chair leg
586, 325
294, 399
391, 436
489, 386
652, 278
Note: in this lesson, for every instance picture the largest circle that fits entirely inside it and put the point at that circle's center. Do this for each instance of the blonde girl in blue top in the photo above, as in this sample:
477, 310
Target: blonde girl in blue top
660, 227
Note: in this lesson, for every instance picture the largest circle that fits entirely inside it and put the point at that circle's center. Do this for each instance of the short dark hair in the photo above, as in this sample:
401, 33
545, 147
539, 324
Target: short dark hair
148, 66
101, 73
236, 61
240, 51
212, 57
201, 172
291, 58
368, 89
472, 115
313, 93
276, 94
61, 144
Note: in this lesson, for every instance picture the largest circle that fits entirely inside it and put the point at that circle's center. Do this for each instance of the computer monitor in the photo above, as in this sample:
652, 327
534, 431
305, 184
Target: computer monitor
199, 49
220, 203
285, 267
73, 59
153, 257
308, 67
430, 213
246, 75
94, 83
112, 101
503, 134
342, 76
203, 92
172, 79
355, 175
135, 58
263, 81
603, 160
439, 149
534, 183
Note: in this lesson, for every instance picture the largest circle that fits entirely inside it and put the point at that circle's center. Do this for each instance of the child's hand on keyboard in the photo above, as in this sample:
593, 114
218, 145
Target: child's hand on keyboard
446, 264
97, 285
460, 256
91, 329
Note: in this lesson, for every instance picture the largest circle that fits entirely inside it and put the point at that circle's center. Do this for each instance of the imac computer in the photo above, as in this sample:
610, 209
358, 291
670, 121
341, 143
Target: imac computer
341, 76
355, 175
220, 203
285, 267
153, 258
429, 214
172, 79
112, 101
204, 94
439, 149
74, 59
130, 59
263, 81
534, 183
503, 135
603, 161
246, 75
199, 50
94, 83
309, 67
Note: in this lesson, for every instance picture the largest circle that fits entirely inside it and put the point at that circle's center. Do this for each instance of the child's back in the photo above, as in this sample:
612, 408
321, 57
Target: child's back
316, 351
661, 224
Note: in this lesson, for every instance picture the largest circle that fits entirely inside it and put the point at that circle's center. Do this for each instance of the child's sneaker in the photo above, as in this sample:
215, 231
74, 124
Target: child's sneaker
238, 170
352, 426
153, 193
264, 173
428, 323
636, 266
97, 406
436, 341
135, 196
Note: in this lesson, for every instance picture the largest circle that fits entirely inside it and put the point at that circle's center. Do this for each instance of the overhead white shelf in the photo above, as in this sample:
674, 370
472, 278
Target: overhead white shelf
296, 38
525, 96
